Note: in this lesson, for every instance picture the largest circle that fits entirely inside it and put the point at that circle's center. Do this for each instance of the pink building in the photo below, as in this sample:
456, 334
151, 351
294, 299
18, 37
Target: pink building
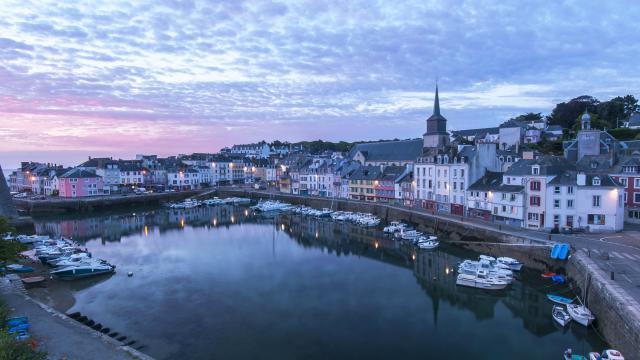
80, 183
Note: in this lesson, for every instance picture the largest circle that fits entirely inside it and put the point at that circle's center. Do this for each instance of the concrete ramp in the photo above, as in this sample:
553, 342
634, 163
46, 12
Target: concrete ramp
7, 208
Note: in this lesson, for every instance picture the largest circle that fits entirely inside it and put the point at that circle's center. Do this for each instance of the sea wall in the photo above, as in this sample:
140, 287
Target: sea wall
57, 205
617, 313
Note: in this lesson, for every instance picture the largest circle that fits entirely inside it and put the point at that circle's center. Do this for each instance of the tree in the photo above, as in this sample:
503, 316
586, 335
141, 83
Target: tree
528, 117
565, 114
9, 249
596, 123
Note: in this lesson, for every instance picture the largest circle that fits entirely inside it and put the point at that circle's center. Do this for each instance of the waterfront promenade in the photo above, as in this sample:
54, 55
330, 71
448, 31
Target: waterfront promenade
58, 335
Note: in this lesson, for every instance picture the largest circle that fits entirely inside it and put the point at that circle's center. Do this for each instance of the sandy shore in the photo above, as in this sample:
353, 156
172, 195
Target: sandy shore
55, 293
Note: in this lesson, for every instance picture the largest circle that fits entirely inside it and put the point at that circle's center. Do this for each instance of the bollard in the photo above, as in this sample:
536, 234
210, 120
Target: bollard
612, 276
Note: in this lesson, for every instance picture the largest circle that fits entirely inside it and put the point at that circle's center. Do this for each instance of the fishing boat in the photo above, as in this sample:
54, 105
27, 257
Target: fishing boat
560, 315
481, 280
19, 268
608, 354
559, 299
84, 270
580, 314
512, 263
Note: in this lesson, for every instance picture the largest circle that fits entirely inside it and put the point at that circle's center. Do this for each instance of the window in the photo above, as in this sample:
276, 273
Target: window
455, 172
636, 183
508, 180
535, 170
504, 208
623, 181
556, 189
556, 204
596, 219
595, 202
438, 172
569, 221
570, 204
533, 216
461, 185
462, 172
513, 197
636, 197
596, 181
569, 189
534, 201
556, 220
455, 184
504, 196
535, 185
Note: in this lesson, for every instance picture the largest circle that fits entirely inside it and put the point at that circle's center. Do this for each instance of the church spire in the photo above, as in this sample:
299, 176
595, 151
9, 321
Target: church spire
436, 102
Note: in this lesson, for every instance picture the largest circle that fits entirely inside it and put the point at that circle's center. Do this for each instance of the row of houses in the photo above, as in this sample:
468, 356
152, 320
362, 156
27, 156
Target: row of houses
492, 175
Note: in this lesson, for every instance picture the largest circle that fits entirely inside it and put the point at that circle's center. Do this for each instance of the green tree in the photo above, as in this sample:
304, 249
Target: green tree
565, 114
528, 117
9, 250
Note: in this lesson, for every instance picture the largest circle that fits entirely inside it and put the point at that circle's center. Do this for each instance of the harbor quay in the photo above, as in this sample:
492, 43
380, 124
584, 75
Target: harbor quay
618, 312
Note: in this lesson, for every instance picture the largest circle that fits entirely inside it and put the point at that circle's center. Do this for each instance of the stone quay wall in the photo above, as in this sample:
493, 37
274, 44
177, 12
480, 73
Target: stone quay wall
89, 204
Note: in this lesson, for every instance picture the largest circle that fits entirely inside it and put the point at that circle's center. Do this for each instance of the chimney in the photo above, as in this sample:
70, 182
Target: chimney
581, 179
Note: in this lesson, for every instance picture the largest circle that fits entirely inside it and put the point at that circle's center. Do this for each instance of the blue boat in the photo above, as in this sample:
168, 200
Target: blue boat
15, 321
559, 279
19, 268
559, 299
564, 252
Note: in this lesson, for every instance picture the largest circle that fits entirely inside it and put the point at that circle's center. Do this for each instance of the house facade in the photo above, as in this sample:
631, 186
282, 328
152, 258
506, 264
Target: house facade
79, 183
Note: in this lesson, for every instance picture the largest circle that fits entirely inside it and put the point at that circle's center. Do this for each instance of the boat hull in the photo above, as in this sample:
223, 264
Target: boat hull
73, 274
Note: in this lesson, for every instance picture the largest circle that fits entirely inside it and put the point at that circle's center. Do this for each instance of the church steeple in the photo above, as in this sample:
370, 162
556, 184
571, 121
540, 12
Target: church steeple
436, 103
436, 135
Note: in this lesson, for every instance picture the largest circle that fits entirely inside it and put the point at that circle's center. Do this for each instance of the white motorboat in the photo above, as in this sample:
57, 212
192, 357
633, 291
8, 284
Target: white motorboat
580, 314
472, 267
409, 234
213, 202
481, 280
560, 315
608, 354
428, 244
513, 264
30, 239
394, 227
82, 270
71, 259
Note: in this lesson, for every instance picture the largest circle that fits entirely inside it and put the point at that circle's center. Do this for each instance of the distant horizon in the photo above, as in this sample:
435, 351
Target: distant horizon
177, 77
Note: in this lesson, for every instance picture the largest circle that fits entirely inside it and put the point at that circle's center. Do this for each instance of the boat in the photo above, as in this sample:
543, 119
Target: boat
481, 280
558, 279
409, 234
608, 354
559, 299
428, 244
83, 270
30, 239
394, 227
560, 315
548, 274
19, 268
33, 280
580, 314
71, 260
470, 267
512, 263
213, 202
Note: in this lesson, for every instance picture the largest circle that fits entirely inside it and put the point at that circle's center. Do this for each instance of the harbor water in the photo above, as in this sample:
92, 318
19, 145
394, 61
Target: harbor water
224, 283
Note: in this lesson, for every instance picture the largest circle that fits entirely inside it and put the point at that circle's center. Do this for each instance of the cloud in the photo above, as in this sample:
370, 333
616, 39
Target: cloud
330, 65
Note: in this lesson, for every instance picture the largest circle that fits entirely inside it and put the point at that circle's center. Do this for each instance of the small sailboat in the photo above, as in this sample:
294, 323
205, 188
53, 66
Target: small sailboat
559, 299
608, 354
580, 314
560, 315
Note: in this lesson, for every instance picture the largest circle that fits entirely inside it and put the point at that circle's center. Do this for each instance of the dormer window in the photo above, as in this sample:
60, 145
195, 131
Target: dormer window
535, 170
594, 165
501, 158
508, 159
596, 181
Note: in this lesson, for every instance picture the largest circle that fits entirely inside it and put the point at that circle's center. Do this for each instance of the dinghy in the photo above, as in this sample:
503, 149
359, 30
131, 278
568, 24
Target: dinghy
548, 274
560, 315
33, 280
559, 299
19, 268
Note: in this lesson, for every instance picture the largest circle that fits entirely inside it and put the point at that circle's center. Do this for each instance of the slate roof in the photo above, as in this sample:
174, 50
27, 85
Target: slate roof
475, 132
571, 178
403, 150
366, 173
554, 128
78, 173
391, 173
594, 163
492, 181
549, 165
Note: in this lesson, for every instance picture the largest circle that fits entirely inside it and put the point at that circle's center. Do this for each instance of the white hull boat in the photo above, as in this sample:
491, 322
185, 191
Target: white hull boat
513, 264
608, 354
580, 314
428, 244
481, 280
560, 315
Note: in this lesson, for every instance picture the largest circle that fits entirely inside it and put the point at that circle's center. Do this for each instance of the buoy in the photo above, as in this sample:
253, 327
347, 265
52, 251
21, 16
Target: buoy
130, 274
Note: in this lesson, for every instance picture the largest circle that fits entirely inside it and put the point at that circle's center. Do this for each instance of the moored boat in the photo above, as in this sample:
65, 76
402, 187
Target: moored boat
481, 280
19, 268
580, 314
608, 354
428, 243
512, 263
84, 270
559, 299
33, 280
560, 315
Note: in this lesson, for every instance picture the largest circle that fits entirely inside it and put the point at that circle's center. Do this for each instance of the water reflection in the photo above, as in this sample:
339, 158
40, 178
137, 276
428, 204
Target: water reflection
241, 285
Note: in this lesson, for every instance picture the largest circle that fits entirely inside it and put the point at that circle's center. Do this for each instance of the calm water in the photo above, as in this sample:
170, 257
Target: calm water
222, 283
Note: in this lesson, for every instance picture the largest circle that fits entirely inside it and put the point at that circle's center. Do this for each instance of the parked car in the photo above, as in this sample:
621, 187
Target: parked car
20, 195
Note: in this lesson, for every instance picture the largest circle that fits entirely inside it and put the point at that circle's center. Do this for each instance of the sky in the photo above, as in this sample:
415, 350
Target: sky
92, 78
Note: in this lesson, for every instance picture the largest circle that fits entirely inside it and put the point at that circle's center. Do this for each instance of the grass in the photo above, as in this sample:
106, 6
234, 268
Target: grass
11, 349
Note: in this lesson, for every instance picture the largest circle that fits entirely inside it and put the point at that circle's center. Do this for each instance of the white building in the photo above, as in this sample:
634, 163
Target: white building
490, 198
